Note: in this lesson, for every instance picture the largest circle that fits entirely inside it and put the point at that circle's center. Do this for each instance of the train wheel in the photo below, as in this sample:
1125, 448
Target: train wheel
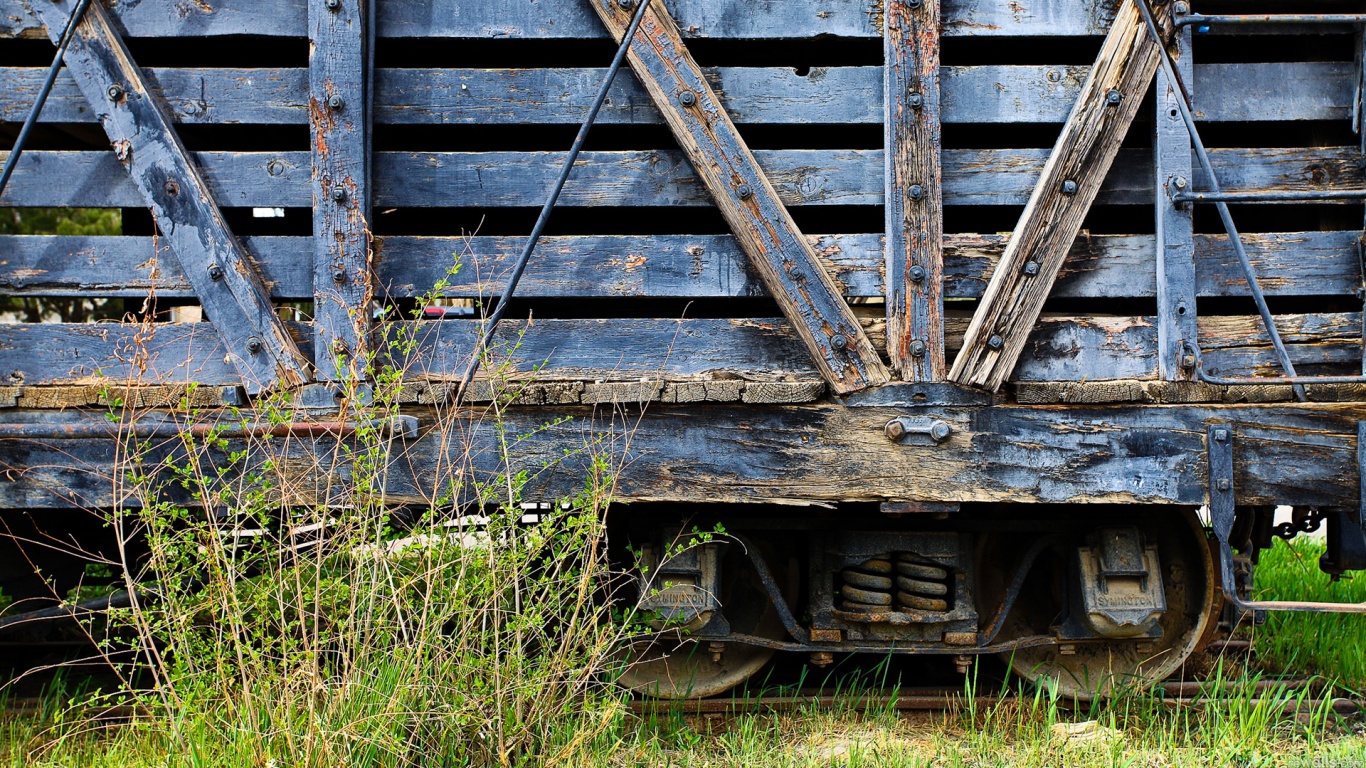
1097, 669
676, 667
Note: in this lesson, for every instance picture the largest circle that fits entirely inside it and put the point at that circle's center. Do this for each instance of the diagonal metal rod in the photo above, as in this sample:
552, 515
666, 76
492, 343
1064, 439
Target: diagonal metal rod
52, 71
1235, 239
491, 324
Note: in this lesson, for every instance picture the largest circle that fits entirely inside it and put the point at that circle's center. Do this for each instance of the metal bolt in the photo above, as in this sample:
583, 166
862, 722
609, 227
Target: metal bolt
797, 274
254, 345
1031, 268
1223, 484
1054, 76
1067, 649
744, 192
940, 431
822, 659
995, 343
913, 3
335, 102
916, 192
687, 98
917, 349
716, 650
1179, 182
1221, 435
172, 188
626, 4
963, 664
915, 99
917, 274
114, 92
839, 342
338, 274
339, 193
215, 272
334, 5
895, 430
1069, 187
1113, 97
1188, 361
1181, 7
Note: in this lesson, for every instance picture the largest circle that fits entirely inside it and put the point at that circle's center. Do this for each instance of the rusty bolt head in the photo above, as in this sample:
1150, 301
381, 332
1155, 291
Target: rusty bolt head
215, 272
895, 430
338, 193
1069, 187
915, 99
916, 192
335, 102
1223, 484
917, 349
1188, 361
687, 98
917, 274
1031, 268
114, 92
172, 188
254, 345
1221, 435
839, 342
1179, 182
744, 192
995, 343
1181, 7
1113, 97
338, 274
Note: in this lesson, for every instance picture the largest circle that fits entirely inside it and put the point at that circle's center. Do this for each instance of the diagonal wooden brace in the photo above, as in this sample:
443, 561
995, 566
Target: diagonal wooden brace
1073, 175
219, 269
784, 259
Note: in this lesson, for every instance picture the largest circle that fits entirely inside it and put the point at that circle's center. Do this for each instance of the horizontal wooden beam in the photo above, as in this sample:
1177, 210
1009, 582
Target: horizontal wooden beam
684, 266
1294, 454
659, 178
995, 94
629, 350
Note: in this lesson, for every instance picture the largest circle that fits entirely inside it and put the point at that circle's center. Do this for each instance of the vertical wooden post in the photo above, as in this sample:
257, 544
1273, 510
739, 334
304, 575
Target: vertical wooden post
1176, 324
338, 112
915, 215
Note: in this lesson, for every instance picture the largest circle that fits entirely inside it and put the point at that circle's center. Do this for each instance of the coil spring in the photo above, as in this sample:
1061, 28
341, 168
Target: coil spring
873, 586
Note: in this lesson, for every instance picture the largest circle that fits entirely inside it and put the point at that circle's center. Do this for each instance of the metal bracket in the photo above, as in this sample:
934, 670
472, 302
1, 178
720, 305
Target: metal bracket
905, 430
1223, 508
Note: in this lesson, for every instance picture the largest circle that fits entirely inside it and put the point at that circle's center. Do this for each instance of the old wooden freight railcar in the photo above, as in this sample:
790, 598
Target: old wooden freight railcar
939, 307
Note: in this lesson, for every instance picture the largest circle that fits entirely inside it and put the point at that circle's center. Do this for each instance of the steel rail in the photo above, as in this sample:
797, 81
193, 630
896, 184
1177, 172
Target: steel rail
18, 149
1183, 106
491, 322
1222, 20
1306, 196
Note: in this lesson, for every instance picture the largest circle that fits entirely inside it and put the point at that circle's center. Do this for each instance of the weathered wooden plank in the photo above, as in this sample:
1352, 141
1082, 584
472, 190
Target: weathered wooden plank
1069, 183
732, 176
807, 454
339, 124
1176, 291
159, 167
1098, 266
914, 192
653, 178
998, 94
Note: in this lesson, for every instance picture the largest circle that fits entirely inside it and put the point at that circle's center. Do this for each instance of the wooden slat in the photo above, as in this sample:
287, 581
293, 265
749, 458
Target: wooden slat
340, 132
158, 167
914, 193
996, 94
1098, 266
653, 178
627, 350
808, 454
1068, 185
732, 176
1172, 170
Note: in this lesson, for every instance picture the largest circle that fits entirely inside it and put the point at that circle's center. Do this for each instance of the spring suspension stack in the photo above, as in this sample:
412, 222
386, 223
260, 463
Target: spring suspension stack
894, 582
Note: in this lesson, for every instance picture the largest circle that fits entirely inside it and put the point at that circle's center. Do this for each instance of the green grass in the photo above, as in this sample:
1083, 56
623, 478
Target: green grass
1332, 645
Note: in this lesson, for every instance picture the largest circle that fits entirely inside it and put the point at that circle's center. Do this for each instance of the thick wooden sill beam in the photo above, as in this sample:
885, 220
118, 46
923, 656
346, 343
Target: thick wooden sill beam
1051, 220
808, 296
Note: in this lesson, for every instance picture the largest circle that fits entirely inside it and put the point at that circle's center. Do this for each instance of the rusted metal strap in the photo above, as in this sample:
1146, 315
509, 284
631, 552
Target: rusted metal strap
724, 164
215, 263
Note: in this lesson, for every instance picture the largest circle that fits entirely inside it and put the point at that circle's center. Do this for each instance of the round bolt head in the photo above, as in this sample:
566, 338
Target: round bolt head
917, 274
1223, 484
172, 188
915, 100
1031, 268
1069, 187
940, 431
339, 275
895, 429
916, 192
339, 193
744, 192
254, 345
917, 349
687, 98
335, 102
995, 343
1113, 97
626, 4
215, 272
913, 3
333, 5
114, 92
839, 342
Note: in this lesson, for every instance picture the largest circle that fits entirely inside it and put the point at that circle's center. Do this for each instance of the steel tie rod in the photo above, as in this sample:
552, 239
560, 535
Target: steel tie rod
1234, 238
491, 324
